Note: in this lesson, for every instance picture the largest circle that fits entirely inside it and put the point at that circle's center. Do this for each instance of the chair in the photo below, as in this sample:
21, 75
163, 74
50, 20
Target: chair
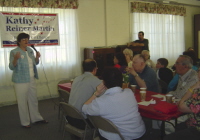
63, 97
69, 110
104, 124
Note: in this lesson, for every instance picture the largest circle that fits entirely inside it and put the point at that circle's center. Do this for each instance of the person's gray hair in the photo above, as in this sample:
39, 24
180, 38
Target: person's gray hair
140, 56
187, 61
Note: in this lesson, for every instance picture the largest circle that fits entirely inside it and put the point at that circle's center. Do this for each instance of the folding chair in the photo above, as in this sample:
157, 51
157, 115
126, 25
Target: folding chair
63, 97
69, 110
104, 124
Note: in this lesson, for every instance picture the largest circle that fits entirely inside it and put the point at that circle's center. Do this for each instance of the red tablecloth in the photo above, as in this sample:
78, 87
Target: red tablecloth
65, 86
150, 112
145, 111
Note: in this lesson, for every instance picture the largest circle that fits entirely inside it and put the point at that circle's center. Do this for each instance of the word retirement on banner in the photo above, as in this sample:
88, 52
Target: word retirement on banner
42, 28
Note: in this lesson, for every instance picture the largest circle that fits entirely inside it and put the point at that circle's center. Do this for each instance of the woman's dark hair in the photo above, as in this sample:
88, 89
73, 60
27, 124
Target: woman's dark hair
112, 77
192, 55
22, 36
121, 58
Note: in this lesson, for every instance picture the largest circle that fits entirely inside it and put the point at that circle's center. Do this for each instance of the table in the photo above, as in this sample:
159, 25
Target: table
65, 86
145, 111
151, 113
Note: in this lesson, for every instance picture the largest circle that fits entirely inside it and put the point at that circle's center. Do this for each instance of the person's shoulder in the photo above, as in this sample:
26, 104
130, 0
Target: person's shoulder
193, 73
149, 71
92, 77
29, 49
15, 49
165, 70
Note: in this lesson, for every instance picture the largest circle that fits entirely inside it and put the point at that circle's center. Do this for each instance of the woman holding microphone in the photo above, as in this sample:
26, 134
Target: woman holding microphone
23, 64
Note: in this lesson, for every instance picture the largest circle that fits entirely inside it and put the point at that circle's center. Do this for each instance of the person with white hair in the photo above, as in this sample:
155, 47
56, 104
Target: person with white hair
129, 56
187, 76
149, 62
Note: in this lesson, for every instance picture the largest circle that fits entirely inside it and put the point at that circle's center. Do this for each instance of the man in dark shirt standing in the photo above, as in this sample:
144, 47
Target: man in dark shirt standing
144, 43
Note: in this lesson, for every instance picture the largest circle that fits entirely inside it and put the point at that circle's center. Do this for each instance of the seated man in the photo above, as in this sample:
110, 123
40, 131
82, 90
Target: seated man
83, 87
190, 103
187, 76
163, 73
141, 42
117, 105
173, 83
142, 75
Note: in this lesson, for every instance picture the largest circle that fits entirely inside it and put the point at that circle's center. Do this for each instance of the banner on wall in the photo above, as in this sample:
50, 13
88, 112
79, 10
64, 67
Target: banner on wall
42, 28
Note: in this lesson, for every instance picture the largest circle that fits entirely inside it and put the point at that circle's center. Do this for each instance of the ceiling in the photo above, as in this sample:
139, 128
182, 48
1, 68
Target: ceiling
177, 2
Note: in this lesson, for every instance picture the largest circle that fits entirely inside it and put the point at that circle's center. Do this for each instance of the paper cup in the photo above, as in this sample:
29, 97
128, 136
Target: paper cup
143, 89
169, 98
143, 95
133, 87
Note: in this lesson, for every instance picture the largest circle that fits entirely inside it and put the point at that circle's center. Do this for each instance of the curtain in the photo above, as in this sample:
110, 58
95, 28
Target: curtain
140, 7
64, 4
57, 62
164, 32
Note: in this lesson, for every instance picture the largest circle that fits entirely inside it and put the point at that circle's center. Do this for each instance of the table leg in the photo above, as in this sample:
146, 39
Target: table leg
175, 124
162, 130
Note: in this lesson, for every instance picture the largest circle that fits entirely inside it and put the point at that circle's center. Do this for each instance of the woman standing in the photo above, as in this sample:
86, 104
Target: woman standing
23, 63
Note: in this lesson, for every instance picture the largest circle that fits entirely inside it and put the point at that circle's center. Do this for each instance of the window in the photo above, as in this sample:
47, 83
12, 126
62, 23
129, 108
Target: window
58, 62
164, 32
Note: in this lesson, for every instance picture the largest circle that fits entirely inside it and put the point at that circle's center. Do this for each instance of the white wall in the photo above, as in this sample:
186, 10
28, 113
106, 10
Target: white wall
107, 23
189, 25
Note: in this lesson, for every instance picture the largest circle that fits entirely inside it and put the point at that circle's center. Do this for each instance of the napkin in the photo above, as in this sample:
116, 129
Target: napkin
146, 103
158, 96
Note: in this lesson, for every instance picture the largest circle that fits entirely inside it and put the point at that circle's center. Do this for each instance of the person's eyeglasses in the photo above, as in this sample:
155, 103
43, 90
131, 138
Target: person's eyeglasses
178, 63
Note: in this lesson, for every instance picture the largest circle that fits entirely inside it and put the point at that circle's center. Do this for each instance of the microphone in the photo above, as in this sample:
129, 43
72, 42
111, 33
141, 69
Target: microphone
32, 46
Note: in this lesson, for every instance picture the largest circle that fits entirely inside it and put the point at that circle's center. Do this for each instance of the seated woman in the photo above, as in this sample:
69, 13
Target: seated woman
190, 103
173, 83
149, 62
129, 56
120, 62
117, 105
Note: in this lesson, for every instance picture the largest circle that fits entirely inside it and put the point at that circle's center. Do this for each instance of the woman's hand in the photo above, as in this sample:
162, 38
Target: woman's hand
100, 89
17, 56
37, 57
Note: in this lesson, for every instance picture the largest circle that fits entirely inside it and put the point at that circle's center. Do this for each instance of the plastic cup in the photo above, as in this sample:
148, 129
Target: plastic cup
143, 89
169, 98
125, 85
143, 95
133, 87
